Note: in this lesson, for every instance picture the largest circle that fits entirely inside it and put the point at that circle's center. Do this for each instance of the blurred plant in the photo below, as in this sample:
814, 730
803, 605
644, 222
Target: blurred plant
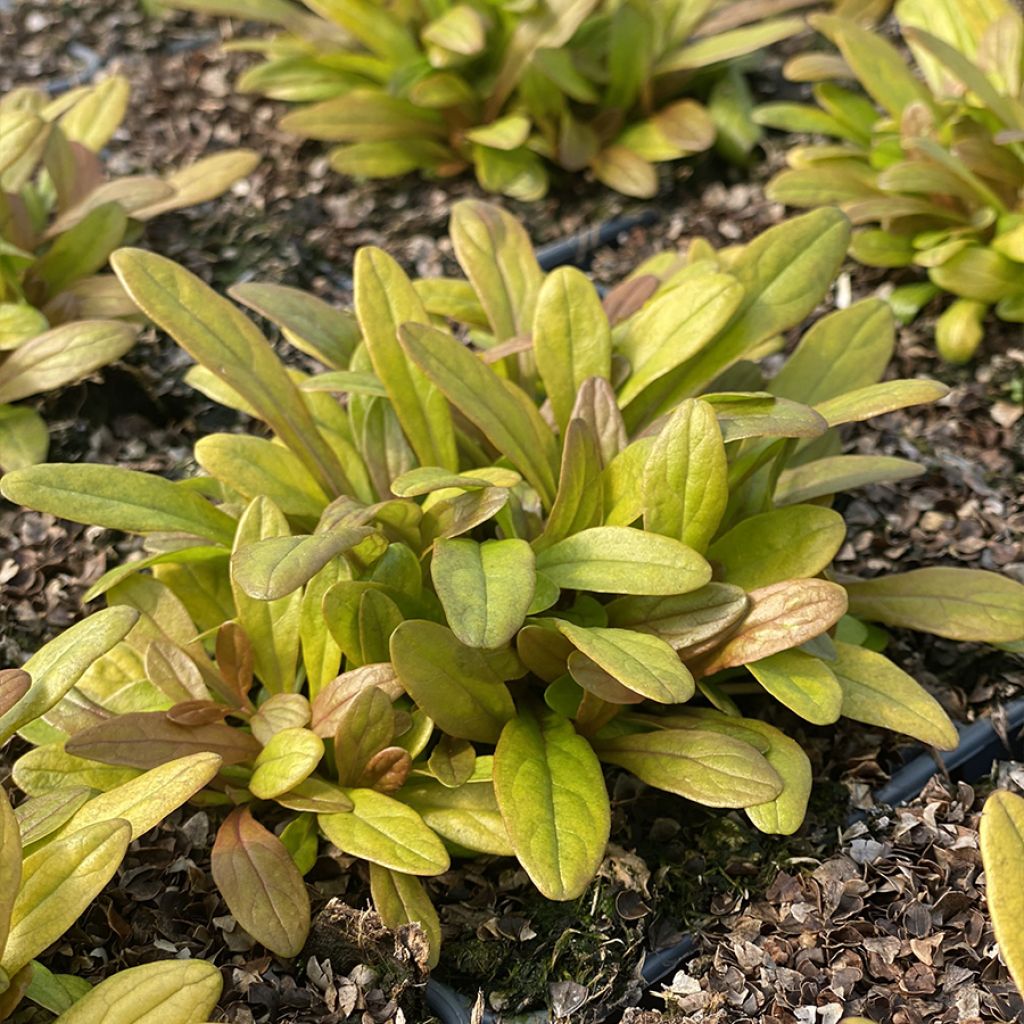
1002, 854
419, 619
58, 851
60, 317
939, 171
509, 87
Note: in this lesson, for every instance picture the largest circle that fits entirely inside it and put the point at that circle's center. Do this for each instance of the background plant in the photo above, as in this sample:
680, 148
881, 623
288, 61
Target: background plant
419, 619
510, 88
60, 219
58, 851
936, 175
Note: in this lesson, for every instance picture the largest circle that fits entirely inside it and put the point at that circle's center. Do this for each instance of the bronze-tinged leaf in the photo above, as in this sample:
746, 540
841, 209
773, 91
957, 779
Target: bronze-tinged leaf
145, 739
782, 616
366, 726
387, 770
14, 684
197, 712
330, 703
261, 884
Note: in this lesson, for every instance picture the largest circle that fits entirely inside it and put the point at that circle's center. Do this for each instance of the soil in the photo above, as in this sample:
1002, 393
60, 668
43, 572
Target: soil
296, 223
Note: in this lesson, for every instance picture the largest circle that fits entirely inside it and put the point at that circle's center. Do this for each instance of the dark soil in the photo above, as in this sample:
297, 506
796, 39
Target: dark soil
294, 222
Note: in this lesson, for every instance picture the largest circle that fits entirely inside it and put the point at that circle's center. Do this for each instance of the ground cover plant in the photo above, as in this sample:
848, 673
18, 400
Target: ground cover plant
57, 853
61, 316
1002, 850
511, 89
419, 620
931, 164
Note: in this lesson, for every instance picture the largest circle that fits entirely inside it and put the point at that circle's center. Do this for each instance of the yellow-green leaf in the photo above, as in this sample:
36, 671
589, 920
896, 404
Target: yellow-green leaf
707, 767
57, 666
57, 883
1002, 853
118, 499
205, 179
49, 769
642, 662
961, 604
456, 685
621, 560
805, 684
289, 758
875, 691
785, 814
553, 799
164, 992
24, 437
467, 816
837, 473
384, 831
401, 899
571, 338
10, 865
486, 589
785, 544
686, 486
145, 801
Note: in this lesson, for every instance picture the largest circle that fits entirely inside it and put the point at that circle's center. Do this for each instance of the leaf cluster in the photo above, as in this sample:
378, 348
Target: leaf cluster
930, 162
507, 87
58, 850
61, 317
512, 534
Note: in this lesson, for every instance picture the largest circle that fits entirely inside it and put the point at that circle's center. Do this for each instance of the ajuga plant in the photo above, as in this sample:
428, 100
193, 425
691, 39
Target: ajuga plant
511, 536
60, 218
507, 89
936, 175
1002, 854
58, 850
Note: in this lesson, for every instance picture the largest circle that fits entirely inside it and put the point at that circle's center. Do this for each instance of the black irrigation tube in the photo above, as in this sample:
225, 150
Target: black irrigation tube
578, 249
979, 746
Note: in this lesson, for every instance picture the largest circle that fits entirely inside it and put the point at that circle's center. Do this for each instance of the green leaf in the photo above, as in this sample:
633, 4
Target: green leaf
723, 46
165, 992
24, 437
761, 415
55, 992
553, 799
456, 685
707, 767
401, 899
686, 485
289, 758
805, 684
261, 884
145, 801
961, 604
837, 473
509, 132
118, 499
486, 589
875, 691
499, 409
384, 831
495, 252
785, 814
309, 323
1002, 854
321, 655
621, 560
795, 542
782, 616
571, 338
58, 666
682, 620
218, 335
57, 883
384, 301
641, 662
